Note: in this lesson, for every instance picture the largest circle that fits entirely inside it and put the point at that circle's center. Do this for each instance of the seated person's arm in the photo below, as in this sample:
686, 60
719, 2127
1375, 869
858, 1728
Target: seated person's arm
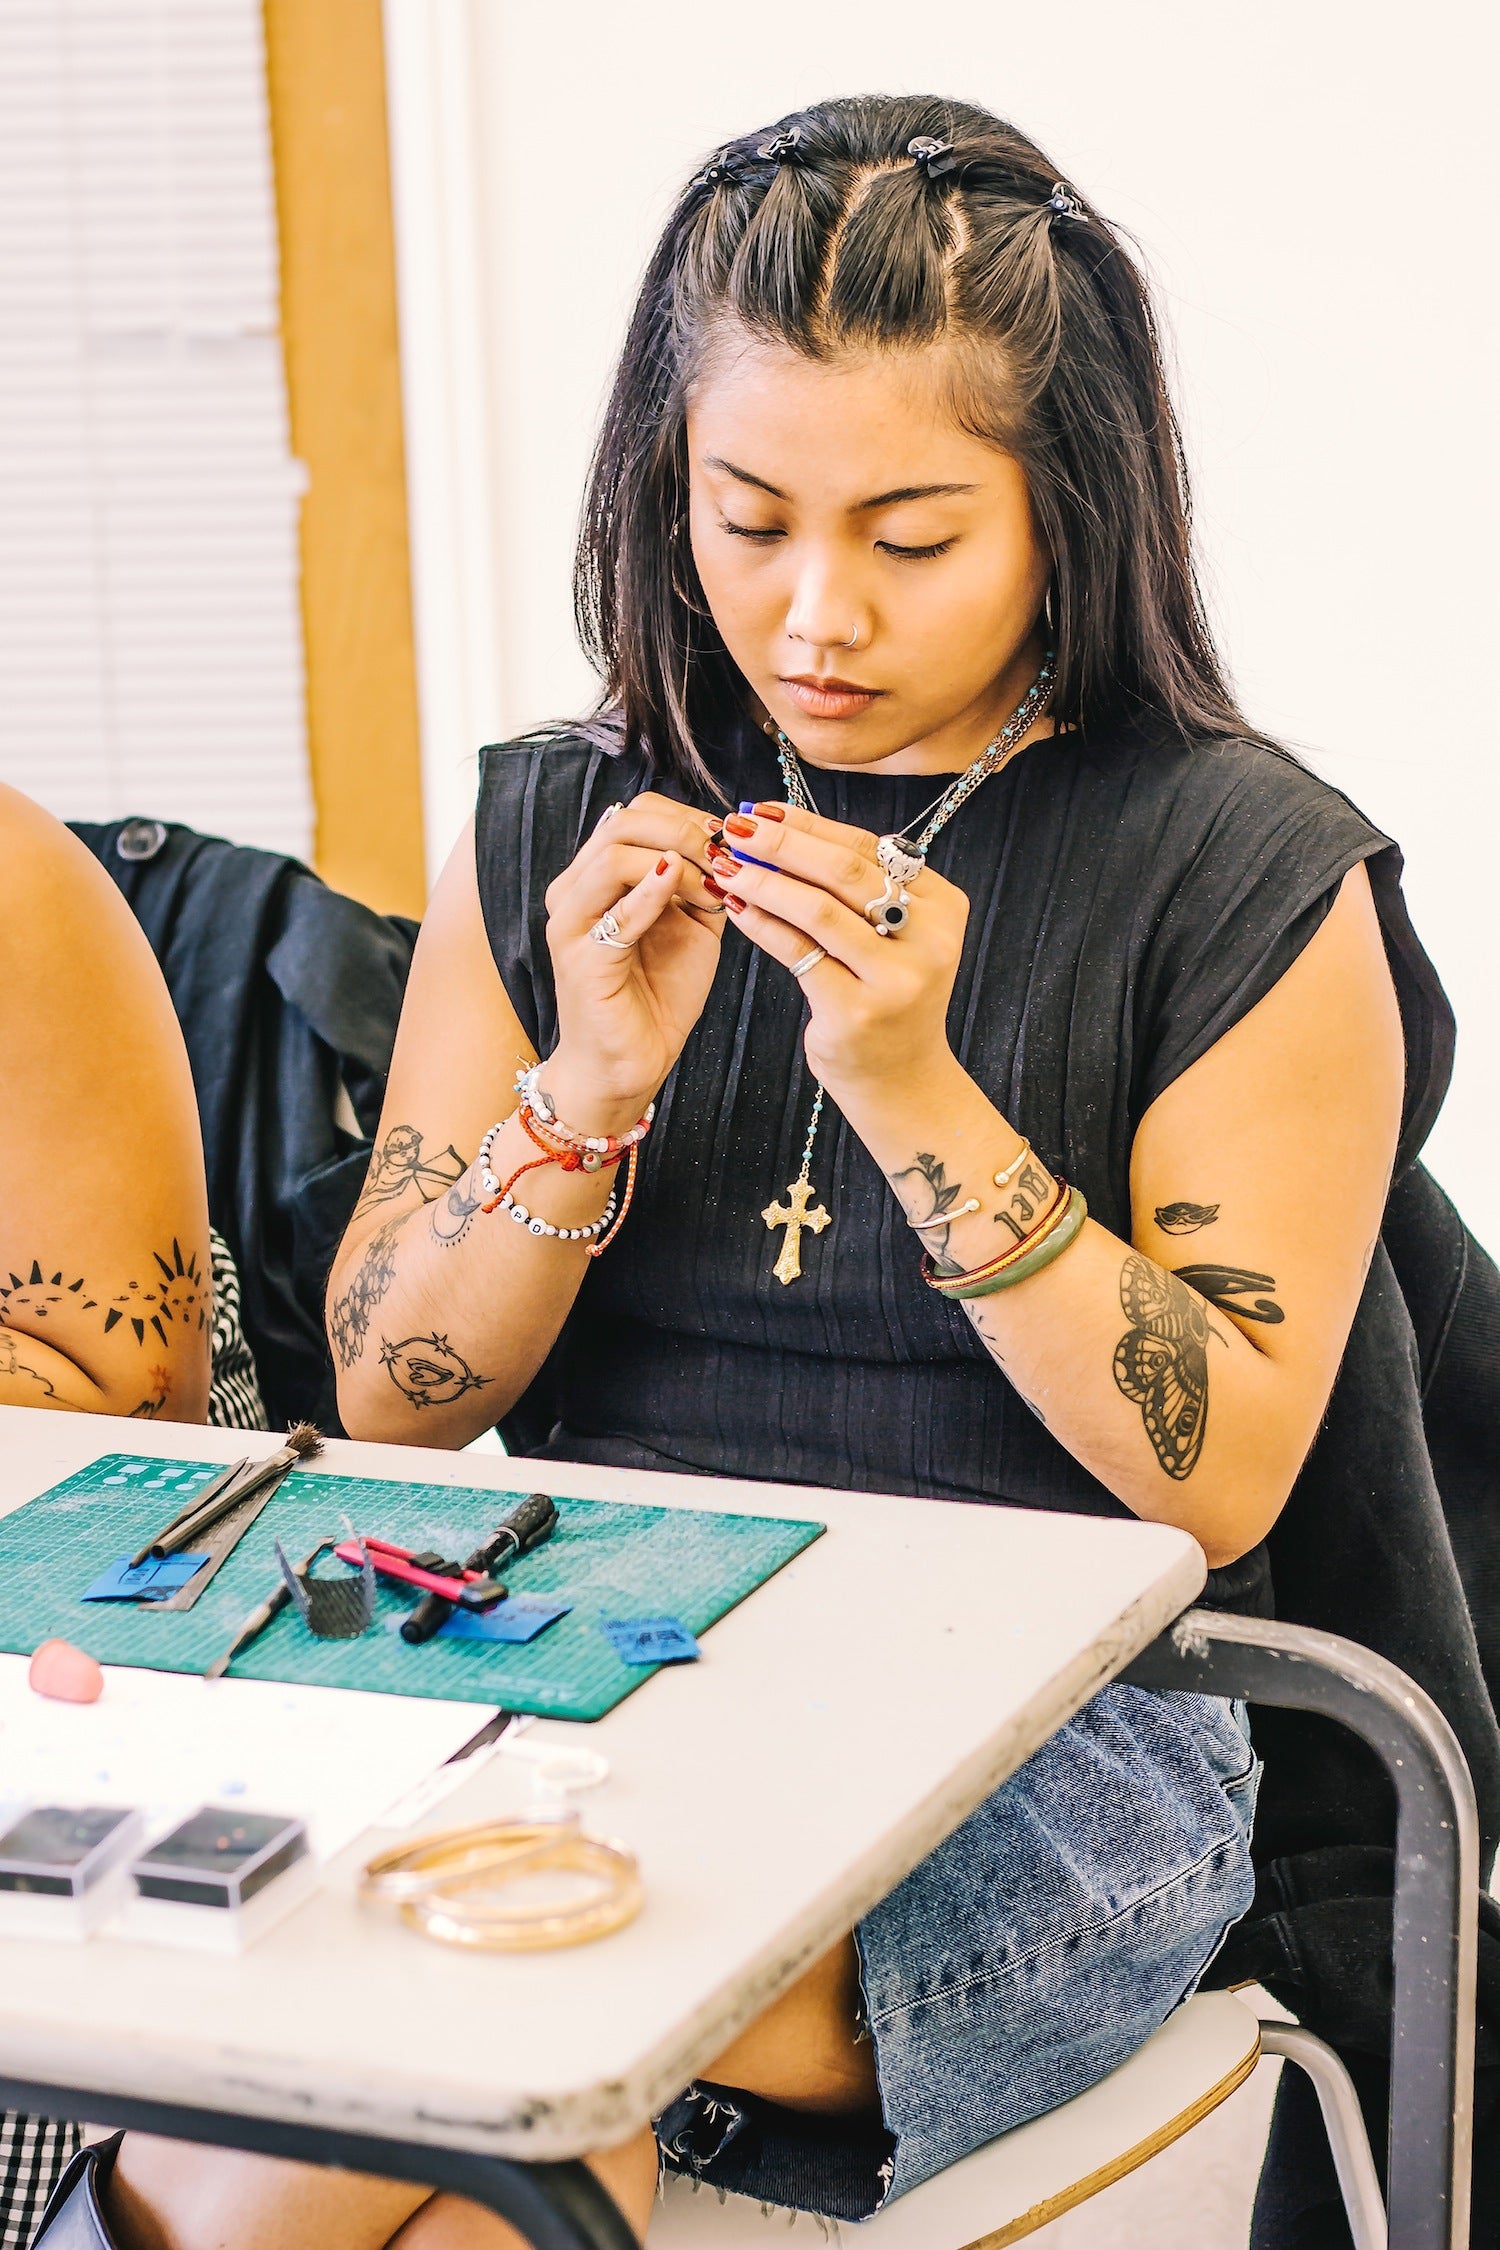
105, 1296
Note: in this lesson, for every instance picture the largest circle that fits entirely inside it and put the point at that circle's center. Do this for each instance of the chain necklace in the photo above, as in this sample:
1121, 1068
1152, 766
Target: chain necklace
802, 1213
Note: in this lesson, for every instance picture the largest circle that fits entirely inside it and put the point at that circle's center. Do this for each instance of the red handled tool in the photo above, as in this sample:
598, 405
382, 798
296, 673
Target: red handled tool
471, 1589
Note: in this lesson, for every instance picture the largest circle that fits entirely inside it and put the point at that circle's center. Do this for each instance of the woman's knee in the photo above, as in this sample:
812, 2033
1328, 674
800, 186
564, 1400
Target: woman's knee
175, 2195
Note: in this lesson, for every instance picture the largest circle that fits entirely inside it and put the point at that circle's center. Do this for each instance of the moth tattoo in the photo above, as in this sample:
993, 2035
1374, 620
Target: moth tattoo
1185, 1218
1161, 1362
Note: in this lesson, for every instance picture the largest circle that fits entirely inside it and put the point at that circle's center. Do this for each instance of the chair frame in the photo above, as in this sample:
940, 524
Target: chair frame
1435, 1941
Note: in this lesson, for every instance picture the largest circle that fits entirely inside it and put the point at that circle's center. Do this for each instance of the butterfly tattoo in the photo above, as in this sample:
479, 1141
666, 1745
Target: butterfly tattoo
1161, 1362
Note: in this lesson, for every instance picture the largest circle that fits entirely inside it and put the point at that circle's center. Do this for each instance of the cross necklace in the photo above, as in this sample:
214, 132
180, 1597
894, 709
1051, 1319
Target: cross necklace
802, 1213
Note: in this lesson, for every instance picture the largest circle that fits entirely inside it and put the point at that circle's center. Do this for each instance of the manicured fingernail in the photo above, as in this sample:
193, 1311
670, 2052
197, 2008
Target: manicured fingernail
727, 864
737, 825
735, 905
716, 836
712, 887
770, 812
662, 865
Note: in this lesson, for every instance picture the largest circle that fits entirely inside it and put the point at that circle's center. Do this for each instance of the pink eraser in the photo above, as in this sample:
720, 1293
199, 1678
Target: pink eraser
65, 1673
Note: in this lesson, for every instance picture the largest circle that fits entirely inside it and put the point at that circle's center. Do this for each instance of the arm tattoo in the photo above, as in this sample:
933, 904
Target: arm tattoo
428, 1371
1031, 1194
933, 1195
349, 1315
1185, 1218
1161, 1362
11, 1363
399, 1164
1228, 1287
156, 1398
175, 1295
450, 1216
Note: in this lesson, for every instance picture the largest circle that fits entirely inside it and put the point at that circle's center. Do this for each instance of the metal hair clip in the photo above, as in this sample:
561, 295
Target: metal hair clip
783, 148
1063, 203
931, 156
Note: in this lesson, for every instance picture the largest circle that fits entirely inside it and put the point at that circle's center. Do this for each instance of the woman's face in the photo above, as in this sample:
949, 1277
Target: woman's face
843, 500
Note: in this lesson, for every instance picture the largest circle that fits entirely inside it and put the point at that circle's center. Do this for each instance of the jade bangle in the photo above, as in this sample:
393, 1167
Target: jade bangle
1067, 1230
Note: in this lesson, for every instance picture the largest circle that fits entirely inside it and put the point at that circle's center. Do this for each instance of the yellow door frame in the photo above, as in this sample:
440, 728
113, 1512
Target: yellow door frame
325, 64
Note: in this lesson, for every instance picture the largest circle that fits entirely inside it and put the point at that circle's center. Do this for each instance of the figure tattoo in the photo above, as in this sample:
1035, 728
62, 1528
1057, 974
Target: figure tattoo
175, 1295
399, 1163
349, 1315
1185, 1218
1161, 1362
933, 1197
1229, 1287
1032, 1193
428, 1371
450, 1216
11, 1363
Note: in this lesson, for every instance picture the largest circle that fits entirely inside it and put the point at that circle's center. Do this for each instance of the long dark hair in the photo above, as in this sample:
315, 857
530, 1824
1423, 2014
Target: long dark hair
827, 233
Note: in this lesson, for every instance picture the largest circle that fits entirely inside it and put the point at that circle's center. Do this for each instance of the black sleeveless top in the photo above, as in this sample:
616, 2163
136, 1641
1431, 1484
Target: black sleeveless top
1131, 899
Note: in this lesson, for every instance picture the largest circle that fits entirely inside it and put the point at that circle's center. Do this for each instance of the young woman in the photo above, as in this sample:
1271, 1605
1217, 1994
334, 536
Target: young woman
1024, 1072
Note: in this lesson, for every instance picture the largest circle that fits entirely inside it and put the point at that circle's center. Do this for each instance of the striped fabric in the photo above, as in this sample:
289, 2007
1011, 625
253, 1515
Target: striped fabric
33, 2154
234, 1401
34, 2150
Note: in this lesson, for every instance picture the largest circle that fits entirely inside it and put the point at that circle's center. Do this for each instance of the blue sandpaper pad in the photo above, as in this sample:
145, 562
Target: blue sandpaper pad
150, 1581
515, 1620
650, 1640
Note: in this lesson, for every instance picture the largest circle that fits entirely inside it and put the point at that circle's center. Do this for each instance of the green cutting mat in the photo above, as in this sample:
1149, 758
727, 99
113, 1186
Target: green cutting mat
609, 1558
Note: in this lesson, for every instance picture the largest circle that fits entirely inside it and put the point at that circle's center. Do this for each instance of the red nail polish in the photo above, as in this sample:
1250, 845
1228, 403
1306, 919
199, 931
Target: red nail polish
735, 905
662, 866
770, 812
712, 887
727, 864
737, 825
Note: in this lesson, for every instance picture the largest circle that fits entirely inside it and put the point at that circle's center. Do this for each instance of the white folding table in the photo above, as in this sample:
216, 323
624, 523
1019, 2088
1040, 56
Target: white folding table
842, 1721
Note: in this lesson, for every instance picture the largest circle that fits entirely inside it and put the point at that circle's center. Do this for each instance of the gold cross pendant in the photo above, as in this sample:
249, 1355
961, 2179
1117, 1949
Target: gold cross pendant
795, 1215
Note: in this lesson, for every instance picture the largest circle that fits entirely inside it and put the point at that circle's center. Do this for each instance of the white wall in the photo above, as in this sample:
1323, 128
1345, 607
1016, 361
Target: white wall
1315, 188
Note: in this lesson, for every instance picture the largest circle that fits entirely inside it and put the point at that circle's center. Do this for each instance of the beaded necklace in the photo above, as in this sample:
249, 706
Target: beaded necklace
802, 1213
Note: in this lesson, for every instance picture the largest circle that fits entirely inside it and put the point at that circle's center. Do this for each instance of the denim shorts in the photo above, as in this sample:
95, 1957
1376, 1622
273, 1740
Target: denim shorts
1034, 1951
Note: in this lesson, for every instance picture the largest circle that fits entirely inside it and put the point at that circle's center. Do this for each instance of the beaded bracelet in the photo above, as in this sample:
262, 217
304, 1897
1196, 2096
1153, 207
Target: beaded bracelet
591, 1149
1062, 1226
500, 1198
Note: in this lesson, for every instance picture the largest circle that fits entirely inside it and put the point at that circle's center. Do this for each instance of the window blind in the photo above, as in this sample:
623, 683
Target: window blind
150, 628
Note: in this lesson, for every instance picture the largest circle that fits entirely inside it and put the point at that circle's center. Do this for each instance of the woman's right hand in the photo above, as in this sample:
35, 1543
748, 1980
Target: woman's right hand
623, 1016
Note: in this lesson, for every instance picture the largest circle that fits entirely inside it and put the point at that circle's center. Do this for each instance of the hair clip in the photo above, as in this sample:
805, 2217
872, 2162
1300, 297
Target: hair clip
783, 148
726, 166
932, 156
1063, 203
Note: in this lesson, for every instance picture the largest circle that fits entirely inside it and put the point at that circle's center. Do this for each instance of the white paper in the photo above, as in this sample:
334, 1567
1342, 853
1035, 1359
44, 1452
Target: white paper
168, 1742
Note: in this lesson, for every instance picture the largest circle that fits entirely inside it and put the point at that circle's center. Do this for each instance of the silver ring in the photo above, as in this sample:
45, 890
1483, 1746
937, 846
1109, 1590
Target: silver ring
890, 913
606, 931
809, 960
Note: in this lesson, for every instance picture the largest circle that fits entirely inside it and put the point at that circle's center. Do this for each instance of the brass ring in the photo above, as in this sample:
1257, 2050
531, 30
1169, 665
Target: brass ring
458, 1854
456, 1912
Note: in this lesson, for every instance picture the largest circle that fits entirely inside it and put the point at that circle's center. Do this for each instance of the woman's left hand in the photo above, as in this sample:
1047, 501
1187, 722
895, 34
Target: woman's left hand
879, 1004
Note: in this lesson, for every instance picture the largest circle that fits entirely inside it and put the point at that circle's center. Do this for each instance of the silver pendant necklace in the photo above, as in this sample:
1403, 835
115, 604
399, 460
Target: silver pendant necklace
902, 858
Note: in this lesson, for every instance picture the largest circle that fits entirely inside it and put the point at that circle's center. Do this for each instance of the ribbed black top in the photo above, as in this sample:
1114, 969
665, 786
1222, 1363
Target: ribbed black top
1131, 899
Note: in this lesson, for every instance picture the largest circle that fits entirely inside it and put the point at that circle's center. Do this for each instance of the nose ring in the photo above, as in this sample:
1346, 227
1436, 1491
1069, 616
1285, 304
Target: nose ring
852, 642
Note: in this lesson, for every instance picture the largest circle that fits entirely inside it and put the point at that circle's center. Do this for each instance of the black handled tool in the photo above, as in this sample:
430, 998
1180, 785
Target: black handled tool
528, 1524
